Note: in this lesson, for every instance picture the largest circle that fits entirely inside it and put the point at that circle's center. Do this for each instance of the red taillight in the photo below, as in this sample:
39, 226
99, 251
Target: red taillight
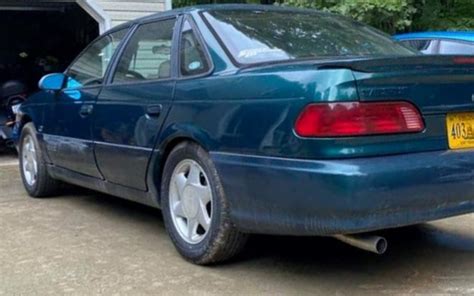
463, 60
358, 119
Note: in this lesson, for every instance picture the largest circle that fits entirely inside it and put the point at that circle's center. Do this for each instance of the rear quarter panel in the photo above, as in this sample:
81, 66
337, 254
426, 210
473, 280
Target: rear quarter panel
253, 112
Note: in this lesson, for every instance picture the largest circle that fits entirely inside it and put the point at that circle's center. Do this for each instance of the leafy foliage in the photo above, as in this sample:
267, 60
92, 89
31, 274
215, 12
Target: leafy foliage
391, 16
394, 16
444, 15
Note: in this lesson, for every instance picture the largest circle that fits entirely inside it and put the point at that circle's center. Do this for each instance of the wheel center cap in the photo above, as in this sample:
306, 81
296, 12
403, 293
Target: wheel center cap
190, 202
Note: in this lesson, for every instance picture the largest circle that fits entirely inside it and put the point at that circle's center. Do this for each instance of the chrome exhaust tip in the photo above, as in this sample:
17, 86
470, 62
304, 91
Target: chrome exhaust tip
372, 243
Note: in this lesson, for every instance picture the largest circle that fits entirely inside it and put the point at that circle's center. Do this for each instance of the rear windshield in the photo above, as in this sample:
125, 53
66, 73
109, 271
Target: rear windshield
262, 36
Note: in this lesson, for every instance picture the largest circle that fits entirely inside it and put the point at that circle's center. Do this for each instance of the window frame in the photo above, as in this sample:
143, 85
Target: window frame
112, 59
133, 31
201, 41
220, 41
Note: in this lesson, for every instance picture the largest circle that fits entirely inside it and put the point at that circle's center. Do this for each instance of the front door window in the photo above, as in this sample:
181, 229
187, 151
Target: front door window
90, 67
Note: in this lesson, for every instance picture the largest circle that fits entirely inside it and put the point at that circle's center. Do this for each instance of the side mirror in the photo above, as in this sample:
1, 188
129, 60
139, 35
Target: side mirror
53, 81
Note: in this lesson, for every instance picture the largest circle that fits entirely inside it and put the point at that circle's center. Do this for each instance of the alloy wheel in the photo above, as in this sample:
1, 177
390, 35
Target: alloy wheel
29, 161
190, 201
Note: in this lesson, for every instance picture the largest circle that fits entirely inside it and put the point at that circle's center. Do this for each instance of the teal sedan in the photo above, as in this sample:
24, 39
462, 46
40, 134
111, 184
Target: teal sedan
243, 119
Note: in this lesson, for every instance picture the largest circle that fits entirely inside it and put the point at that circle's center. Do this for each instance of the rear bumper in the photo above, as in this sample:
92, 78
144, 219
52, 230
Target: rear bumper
310, 197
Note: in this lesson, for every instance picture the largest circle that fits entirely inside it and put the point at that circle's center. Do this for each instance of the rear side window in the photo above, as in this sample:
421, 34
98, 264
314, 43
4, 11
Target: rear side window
148, 54
192, 57
89, 68
456, 47
426, 46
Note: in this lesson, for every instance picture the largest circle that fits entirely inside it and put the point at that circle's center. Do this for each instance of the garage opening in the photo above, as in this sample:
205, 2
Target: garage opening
41, 39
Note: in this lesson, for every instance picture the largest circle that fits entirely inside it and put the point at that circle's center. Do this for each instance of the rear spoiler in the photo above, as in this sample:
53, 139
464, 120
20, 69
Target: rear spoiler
401, 63
377, 64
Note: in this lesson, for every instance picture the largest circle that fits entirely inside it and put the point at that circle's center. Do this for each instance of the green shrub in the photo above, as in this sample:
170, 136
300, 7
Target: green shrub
388, 15
391, 16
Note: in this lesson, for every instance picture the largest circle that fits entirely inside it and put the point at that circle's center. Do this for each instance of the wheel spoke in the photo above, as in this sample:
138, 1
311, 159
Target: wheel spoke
203, 217
28, 167
204, 193
180, 181
192, 228
194, 174
178, 209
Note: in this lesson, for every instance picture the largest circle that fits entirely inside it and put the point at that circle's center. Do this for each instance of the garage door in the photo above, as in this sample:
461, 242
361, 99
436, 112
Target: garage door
41, 38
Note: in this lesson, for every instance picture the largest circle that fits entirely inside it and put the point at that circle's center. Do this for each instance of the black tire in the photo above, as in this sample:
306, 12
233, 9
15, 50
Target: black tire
45, 185
222, 240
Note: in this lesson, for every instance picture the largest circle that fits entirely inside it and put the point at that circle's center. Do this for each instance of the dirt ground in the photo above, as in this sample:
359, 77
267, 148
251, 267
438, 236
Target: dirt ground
86, 243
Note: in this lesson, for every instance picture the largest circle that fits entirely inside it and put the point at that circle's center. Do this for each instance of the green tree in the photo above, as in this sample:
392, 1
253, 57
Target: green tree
400, 15
444, 15
388, 15
391, 16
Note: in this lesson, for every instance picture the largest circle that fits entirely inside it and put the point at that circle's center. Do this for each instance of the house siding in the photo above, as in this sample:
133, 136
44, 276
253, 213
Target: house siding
121, 11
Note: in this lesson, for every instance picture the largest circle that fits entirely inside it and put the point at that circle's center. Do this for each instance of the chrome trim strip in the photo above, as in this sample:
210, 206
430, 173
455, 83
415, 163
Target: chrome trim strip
98, 142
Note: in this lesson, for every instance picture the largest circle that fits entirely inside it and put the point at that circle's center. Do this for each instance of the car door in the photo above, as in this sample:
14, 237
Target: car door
133, 105
67, 128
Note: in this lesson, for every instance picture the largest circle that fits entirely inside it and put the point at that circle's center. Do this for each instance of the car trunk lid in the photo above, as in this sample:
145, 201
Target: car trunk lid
435, 84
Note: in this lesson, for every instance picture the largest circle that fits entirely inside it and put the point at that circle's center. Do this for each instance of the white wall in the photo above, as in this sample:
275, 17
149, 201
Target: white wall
109, 13
120, 11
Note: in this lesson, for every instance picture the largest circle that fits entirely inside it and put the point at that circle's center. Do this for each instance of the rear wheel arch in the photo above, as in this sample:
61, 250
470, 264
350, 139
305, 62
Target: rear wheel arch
158, 165
197, 216
172, 144
173, 134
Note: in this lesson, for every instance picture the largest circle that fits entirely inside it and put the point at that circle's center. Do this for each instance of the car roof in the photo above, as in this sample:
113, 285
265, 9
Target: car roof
459, 35
214, 7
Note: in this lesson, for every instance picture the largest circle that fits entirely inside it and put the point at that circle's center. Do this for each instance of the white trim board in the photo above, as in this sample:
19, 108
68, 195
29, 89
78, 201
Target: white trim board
101, 17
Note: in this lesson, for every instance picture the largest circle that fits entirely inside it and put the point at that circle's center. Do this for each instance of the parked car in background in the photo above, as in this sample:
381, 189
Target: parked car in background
240, 119
12, 94
440, 42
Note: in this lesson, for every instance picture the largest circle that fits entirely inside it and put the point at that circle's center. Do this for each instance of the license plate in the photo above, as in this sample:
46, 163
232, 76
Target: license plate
460, 127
